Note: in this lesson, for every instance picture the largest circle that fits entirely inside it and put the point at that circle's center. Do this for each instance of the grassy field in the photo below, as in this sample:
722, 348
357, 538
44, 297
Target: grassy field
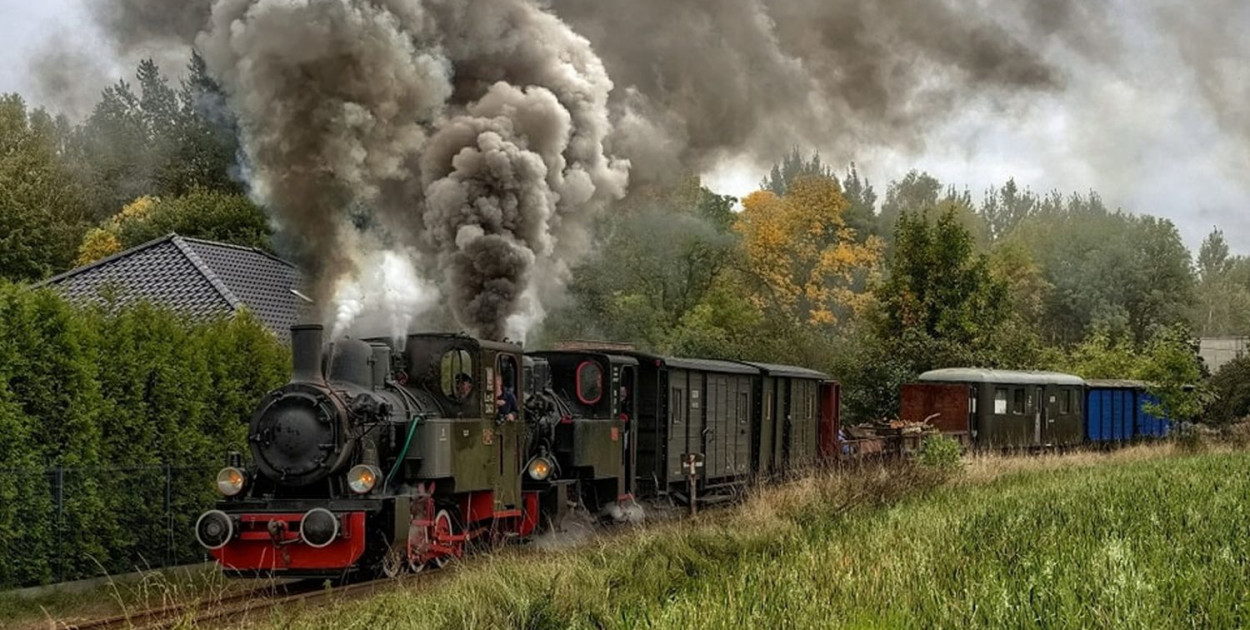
1141, 539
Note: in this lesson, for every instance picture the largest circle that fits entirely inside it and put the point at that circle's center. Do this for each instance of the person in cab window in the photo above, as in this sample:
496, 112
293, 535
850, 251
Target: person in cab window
505, 401
623, 403
464, 386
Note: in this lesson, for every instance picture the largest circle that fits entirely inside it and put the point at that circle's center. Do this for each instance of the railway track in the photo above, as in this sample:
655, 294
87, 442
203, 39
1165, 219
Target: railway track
232, 606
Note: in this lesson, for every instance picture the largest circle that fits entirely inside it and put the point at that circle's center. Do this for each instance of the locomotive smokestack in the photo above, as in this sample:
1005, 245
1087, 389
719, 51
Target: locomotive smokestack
306, 353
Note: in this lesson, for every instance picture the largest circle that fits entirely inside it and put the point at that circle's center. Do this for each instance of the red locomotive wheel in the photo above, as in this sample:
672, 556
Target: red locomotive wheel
444, 529
433, 544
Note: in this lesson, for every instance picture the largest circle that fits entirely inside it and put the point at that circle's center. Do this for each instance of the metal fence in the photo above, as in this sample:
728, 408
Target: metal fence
73, 523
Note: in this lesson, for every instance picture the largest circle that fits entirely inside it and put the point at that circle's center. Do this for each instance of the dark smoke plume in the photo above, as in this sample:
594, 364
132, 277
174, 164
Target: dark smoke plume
717, 78
470, 135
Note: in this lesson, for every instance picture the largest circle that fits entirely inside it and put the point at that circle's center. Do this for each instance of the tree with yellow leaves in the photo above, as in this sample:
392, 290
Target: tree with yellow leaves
106, 240
806, 263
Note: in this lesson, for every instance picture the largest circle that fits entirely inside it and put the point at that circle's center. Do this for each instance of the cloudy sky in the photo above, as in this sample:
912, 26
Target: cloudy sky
1158, 123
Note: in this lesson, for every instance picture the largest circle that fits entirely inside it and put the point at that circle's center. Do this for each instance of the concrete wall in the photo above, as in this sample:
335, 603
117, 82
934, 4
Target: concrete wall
1216, 351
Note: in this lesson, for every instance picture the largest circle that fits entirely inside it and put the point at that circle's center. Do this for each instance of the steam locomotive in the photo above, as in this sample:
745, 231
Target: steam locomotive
378, 458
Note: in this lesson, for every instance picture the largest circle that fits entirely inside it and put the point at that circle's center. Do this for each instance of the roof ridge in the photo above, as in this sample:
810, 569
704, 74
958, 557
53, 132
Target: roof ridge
235, 246
107, 259
207, 272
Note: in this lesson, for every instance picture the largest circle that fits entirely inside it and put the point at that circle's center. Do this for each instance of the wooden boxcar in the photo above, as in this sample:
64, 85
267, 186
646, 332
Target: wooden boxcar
741, 420
693, 406
786, 434
947, 407
1019, 409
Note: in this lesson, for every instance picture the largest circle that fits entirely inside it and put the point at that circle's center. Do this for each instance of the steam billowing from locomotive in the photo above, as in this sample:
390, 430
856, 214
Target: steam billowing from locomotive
471, 133
465, 137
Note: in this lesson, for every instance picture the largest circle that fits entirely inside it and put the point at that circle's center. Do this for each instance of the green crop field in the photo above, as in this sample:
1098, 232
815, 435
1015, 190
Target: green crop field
1087, 541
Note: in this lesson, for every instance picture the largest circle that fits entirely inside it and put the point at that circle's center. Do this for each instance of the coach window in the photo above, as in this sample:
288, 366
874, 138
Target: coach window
1017, 405
589, 383
1000, 401
1065, 401
457, 375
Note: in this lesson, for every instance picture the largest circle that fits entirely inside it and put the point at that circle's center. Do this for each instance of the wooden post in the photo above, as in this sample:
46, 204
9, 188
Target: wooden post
693, 462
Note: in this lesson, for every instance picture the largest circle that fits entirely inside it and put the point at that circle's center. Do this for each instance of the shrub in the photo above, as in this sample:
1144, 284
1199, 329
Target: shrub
941, 453
124, 415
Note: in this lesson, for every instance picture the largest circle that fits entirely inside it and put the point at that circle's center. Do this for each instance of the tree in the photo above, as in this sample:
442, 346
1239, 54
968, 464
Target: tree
1230, 388
1029, 291
917, 193
108, 150
802, 258
207, 147
157, 141
1222, 294
1109, 270
861, 216
1005, 208
41, 214
654, 265
921, 194
1167, 363
940, 288
792, 167
207, 214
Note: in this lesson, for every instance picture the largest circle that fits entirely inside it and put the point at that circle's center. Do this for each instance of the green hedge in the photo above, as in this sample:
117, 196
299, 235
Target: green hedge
136, 408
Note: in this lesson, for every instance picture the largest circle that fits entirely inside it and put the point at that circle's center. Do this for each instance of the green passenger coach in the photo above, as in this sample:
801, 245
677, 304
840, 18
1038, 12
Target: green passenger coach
1019, 409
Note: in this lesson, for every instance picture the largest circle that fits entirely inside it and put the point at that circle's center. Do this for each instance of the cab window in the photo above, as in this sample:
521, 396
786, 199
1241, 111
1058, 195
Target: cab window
589, 383
457, 375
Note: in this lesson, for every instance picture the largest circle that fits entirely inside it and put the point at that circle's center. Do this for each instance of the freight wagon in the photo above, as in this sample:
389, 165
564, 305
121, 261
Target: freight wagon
1122, 411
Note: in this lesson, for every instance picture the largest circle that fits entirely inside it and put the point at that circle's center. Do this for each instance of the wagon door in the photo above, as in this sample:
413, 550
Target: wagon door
626, 405
767, 426
1041, 435
781, 426
677, 411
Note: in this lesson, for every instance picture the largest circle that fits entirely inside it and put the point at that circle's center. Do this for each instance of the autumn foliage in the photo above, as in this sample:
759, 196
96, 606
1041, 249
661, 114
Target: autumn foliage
805, 262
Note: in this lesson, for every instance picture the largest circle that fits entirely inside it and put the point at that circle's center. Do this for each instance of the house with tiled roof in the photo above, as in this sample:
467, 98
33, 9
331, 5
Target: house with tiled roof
202, 279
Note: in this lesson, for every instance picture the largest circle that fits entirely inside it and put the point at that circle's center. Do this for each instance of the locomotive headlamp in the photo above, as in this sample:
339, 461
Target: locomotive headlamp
230, 481
362, 478
539, 468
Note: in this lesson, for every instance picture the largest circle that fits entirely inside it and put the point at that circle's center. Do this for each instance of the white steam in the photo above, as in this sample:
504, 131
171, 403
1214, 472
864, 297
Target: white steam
385, 295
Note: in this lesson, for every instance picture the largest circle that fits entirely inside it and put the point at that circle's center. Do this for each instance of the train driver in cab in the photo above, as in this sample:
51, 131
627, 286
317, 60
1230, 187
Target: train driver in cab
505, 401
464, 386
623, 403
